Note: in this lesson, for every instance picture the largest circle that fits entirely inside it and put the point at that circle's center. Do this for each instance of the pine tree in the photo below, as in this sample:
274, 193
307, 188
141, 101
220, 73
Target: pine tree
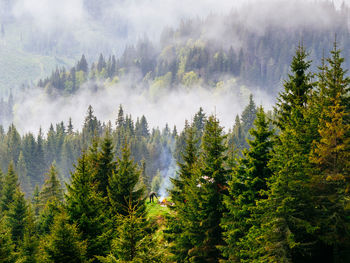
24, 180
123, 182
29, 249
64, 244
133, 242
16, 217
296, 88
105, 165
287, 230
248, 182
207, 195
180, 218
86, 208
51, 189
330, 156
248, 115
9, 189
2, 180
7, 247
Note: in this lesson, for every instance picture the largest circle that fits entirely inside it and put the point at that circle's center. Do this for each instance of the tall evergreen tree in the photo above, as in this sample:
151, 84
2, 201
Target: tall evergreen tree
249, 181
209, 187
105, 165
330, 156
16, 217
296, 88
7, 247
285, 216
134, 242
178, 221
52, 189
123, 182
9, 189
64, 244
86, 208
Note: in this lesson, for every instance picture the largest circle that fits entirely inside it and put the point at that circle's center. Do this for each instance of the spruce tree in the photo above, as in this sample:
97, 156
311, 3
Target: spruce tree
180, 217
133, 242
29, 248
7, 247
330, 158
52, 189
87, 209
105, 165
123, 182
64, 244
296, 88
249, 180
9, 189
16, 217
287, 231
206, 198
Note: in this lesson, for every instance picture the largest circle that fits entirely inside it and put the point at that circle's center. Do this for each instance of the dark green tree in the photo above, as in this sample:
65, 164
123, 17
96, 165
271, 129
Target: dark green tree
248, 183
123, 182
9, 189
64, 244
52, 189
87, 209
209, 185
16, 217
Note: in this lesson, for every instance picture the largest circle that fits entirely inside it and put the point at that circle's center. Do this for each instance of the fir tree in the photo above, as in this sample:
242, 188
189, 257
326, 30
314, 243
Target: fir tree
64, 244
86, 208
9, 189
330, 157
296, 88
123, 182
16, 217
51, 189
207, 195
133, 242
248, 182
7, 247
29, 249
105, 165
180, 218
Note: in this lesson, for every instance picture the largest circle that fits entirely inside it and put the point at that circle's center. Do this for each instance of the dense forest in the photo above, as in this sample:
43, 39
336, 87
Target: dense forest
273, 188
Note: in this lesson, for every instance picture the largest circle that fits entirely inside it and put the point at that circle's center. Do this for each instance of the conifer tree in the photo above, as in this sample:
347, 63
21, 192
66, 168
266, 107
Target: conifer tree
51, 189
249, 180
9, 189
178, 221
7, 247
123, 182
287, 230
105, 165
29, 249
16, 217
248, 115
36, 200
330, 156
21, 169
134, 242
64, 244
296, 88
206, 198
86, 208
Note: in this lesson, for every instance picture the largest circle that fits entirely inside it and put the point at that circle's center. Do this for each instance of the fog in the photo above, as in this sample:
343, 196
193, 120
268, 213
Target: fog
36, 109
109, 25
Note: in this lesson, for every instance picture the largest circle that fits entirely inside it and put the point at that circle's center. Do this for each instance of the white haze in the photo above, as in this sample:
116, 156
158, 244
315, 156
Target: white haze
149, 17
37, 109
